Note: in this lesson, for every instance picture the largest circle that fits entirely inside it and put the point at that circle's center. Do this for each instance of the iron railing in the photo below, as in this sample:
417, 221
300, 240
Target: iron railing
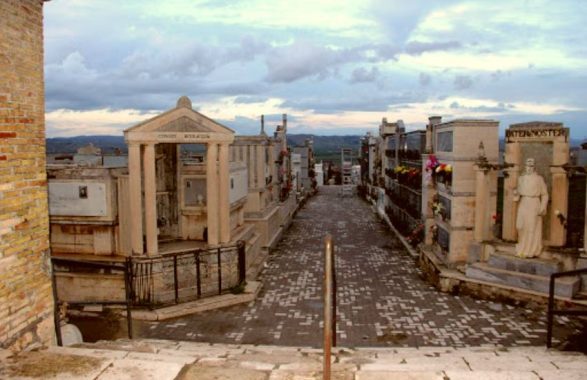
187, 276
552, 311
68, 265
160, 280
329, 304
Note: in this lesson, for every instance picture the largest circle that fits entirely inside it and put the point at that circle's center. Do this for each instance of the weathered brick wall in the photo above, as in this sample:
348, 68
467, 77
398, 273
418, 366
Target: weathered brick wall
25, 286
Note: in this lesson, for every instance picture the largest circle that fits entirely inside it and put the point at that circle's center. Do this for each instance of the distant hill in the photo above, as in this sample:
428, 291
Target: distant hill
322, 144
71, 144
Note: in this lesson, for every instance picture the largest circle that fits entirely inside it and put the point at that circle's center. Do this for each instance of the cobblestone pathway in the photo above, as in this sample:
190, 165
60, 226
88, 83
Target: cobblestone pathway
382, 301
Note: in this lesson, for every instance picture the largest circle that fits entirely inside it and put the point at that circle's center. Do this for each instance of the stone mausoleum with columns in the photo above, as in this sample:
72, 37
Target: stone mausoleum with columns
190, 185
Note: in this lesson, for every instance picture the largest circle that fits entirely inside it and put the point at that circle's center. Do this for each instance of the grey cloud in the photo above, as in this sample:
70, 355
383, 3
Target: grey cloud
399, 18
362, 75
353, 102
248, 50
425, 79
417, 47
116, 90
195, 59
250, 99
497, 108
303, 59
463, 82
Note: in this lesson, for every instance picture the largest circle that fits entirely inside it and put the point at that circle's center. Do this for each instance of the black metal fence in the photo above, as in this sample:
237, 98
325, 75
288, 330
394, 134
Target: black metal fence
154, 281
73, 266
187, 276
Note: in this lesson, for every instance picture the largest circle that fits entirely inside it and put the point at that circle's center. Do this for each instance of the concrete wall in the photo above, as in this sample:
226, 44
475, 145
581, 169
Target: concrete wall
26, 304
238, 183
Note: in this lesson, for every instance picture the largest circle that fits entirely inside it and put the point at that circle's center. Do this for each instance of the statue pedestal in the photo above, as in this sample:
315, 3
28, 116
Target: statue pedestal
496, 263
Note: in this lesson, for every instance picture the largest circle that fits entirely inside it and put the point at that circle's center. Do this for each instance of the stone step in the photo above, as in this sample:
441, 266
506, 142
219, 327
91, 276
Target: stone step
565, 287
540, 267
161, 359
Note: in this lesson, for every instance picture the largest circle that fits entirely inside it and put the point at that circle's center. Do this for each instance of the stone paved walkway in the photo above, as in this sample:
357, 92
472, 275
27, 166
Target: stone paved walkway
382, 301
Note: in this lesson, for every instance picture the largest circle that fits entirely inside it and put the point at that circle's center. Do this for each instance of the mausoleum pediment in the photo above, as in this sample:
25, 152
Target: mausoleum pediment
181, 124
184, 124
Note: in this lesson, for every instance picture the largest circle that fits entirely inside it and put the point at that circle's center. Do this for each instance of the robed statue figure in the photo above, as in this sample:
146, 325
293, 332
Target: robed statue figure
532, 196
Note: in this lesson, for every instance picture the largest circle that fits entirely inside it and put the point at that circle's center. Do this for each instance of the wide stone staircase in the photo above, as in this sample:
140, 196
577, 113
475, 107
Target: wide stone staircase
504, 268
162, 360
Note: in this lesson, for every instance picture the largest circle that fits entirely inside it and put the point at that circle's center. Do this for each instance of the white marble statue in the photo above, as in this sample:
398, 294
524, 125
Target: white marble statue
532, 196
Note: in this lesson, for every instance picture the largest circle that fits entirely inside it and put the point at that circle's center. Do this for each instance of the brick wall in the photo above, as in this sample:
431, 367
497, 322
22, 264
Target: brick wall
25, 286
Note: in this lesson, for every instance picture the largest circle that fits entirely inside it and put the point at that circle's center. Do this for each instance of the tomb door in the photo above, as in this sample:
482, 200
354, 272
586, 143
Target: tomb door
167, 194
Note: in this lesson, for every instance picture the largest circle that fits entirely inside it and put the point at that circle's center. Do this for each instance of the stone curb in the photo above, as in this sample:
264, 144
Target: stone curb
210, 303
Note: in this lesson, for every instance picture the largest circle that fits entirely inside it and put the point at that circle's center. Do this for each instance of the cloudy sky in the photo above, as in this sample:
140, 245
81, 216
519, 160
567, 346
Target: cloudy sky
335, 67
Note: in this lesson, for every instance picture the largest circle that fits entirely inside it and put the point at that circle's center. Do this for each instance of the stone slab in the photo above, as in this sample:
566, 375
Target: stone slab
540, 267
492, 375
309, 375
415, 375
571, 362
95, 353
507, 363
475, 253
219, 373
418, 364
127, 369
566, 287
561, 375
171, 357
205, 304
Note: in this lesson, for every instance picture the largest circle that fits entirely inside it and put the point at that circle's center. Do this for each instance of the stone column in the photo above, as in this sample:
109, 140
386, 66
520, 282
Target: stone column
272, 170
150, 199
136, 207
212, 193
224, 189
481, 204
250, 167
259, 167
559, 194
241, 216
510, 208
428, 193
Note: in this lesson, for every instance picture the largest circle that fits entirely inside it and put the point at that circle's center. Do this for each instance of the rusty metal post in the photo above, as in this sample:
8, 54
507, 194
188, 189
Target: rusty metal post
242, 264
327, 305
333, 282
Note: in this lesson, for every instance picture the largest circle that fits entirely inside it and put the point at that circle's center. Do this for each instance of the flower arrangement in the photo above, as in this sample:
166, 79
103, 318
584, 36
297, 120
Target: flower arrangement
417, 235
438, 208
431, 164
438, 172
443, 174
407, 176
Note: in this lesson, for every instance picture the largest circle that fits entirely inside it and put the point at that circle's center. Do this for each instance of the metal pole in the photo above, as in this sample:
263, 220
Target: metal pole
327, 305
219, 271
198, 283
550, 312
333, 266
128, 291
175, 284
56, 313
242, 266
